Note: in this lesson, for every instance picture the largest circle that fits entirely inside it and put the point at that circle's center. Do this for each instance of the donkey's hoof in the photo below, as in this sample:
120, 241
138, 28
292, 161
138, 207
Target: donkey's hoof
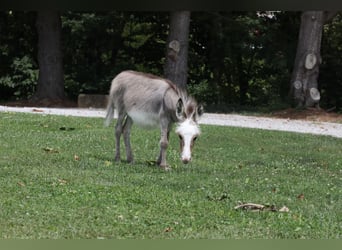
166, 167
130, 161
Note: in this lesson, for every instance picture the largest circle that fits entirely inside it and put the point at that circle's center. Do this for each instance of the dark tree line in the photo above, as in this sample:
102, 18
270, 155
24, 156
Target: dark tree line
223, 58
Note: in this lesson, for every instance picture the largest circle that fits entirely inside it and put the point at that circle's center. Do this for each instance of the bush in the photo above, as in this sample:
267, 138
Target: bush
22, 78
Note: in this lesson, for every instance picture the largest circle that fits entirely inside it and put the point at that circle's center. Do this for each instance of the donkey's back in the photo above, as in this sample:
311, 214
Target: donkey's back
143, 97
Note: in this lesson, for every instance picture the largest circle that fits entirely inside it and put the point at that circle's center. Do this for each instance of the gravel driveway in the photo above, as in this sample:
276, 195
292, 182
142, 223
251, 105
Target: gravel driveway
311, 127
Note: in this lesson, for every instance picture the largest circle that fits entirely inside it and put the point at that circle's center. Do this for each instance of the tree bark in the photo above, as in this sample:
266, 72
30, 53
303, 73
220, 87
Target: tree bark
304, 81
176, 65
51, 76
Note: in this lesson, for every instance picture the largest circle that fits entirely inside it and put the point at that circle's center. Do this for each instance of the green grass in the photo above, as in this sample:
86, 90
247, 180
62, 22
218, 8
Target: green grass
58, 180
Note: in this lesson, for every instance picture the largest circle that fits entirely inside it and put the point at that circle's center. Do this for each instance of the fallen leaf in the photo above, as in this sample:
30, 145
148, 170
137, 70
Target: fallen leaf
21, 184
50, 150
151, 162
284, 209
62, 182
250, 206
219, 198
37, 110
168, 229
223, 197
107, 163
76, 158
300, 197
66, 128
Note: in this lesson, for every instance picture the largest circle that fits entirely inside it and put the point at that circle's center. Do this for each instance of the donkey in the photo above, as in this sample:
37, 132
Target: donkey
150, 101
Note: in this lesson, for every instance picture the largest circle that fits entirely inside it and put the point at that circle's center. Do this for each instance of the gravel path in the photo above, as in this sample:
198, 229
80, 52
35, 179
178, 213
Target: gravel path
312, 127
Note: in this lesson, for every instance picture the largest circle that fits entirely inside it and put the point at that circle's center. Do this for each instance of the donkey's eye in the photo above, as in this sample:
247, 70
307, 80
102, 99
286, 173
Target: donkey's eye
195, 138
180, 137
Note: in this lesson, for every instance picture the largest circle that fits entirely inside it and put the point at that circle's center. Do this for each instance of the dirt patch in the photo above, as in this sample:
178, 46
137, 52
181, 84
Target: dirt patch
310, 114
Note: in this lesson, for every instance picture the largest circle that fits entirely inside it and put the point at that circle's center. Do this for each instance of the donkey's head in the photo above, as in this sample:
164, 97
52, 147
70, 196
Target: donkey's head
188, 112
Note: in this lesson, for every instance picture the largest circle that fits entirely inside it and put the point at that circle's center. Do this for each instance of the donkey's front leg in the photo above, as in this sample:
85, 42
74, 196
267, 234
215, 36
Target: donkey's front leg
164, 142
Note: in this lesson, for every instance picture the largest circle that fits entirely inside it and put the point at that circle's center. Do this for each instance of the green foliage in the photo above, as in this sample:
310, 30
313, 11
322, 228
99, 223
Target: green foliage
330, 79
247, 57
203, 91
18, 60
88, 50
100, 45
136, 34
235, 58
24, 77
59, 181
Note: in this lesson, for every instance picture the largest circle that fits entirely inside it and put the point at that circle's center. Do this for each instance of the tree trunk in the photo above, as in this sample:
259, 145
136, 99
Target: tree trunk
304, 81
51, 77
176, 65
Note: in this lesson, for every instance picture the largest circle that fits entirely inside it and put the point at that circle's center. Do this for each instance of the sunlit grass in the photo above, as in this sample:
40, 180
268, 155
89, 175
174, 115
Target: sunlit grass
58, 180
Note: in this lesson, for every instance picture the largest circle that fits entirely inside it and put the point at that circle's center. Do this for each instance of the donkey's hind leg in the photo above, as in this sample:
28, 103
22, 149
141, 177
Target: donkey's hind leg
126, 133
118, 132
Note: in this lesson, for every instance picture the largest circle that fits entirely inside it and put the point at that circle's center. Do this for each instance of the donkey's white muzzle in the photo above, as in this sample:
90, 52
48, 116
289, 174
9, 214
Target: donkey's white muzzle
186, 154
186, 160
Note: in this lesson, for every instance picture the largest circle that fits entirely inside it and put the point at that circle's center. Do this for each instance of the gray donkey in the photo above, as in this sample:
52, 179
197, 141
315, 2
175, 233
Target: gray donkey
150, 101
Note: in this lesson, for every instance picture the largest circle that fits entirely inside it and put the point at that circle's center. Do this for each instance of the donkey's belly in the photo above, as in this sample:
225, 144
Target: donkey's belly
144, 120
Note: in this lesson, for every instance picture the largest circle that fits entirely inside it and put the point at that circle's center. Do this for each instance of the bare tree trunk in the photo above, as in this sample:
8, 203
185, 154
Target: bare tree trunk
51, 77
304, 82
176, 65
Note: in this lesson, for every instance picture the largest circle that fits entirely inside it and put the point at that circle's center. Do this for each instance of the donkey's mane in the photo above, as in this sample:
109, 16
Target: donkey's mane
190, 106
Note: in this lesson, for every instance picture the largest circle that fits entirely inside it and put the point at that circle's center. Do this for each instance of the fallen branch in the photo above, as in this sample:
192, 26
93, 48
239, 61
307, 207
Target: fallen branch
253, 207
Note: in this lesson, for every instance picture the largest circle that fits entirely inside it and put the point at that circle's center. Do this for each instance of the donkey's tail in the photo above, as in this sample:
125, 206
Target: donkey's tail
110, 111
111, 101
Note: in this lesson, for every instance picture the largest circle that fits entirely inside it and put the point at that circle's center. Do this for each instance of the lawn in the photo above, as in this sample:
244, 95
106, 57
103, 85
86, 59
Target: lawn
58, 181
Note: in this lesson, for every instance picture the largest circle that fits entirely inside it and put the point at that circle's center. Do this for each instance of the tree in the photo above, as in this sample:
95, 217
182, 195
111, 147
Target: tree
176, 65
51, 78
304, 82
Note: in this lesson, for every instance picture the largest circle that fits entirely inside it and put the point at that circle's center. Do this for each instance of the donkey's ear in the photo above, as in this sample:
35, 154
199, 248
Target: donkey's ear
200, 110
180, 110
